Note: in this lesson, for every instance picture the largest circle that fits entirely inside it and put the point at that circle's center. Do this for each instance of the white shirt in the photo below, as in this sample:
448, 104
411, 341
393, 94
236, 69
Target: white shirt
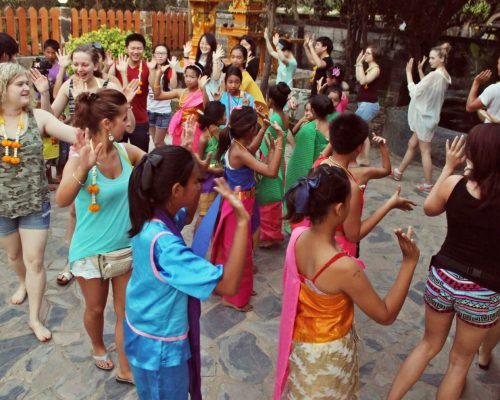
491, 100
427, 98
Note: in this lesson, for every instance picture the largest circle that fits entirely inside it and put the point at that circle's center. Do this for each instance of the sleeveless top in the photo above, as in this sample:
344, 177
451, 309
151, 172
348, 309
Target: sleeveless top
71, 98
322, 317
473, 233
243, 177
107, 229
24, 187
368, 93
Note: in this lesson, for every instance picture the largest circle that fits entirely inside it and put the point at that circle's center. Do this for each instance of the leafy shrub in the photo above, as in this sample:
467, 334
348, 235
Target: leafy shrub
112, 39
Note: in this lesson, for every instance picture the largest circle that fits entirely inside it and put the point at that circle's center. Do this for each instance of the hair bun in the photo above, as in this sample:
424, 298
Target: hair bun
446, 47
284, 88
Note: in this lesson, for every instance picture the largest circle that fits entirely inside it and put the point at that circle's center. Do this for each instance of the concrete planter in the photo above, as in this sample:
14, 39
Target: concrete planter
397, 132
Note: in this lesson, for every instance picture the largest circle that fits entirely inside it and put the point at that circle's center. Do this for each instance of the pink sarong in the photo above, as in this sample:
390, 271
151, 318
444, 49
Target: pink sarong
271, 216
221, 247
188, 105
291, 290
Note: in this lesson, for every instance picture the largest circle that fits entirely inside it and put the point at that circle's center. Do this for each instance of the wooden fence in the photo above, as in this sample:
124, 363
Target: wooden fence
31, 27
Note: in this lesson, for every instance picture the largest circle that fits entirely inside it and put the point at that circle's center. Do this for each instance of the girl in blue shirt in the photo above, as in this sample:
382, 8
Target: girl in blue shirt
168, 276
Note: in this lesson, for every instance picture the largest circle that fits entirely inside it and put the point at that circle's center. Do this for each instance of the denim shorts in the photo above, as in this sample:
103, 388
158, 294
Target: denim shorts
367, 111
159, 120
36, 220
447, 291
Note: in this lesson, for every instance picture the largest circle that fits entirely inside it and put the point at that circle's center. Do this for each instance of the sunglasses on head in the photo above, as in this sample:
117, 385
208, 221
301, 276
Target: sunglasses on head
96, 45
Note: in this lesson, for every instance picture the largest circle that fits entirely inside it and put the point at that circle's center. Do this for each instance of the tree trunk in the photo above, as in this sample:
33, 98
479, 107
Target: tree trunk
268, 62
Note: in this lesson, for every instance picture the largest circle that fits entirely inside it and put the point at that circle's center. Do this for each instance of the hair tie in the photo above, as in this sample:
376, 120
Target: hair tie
302, 191
336, 71
150, 161
193, 65
92, 96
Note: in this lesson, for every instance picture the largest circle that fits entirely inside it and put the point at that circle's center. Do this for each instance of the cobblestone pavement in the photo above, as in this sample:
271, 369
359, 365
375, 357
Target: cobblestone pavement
239, 350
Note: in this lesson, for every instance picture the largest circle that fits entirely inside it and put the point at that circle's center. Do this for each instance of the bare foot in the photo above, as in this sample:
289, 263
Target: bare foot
246, 308
40, 331
19, 295
124, 377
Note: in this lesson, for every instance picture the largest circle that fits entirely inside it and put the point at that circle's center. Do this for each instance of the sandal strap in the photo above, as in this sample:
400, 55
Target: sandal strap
104, 357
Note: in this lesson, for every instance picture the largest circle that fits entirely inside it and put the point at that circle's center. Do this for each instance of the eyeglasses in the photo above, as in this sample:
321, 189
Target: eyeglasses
160, 53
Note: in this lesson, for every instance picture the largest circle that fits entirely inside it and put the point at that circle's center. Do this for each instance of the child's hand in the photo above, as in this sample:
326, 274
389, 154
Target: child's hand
408, 247
203, 165
188, 130
259, 109
223, 189
202, 81
320, 85
455, 153
378, 139
396, 201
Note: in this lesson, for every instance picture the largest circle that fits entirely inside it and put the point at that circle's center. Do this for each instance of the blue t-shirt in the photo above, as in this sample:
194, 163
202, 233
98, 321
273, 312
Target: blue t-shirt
231, 102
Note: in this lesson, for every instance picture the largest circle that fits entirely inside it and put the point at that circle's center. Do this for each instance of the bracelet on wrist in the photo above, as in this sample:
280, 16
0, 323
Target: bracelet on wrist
76, 179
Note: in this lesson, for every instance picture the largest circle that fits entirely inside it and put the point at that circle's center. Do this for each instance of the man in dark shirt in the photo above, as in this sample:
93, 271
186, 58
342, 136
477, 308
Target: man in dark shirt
318, 53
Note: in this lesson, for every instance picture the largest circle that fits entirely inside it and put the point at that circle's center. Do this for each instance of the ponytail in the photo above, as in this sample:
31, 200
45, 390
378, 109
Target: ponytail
224, 142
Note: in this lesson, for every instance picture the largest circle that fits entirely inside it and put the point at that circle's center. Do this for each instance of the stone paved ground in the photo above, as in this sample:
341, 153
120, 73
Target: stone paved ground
238, 349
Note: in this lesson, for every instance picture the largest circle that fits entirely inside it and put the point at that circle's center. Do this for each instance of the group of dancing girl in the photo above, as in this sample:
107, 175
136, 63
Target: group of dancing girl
226, 168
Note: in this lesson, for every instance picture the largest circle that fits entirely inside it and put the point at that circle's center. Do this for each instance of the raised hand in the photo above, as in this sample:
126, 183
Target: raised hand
40, 81
63, 59
85, 148
203, 165
378, 139
250, 58
202, 81
277, 128
483, 77
259, 109
266, 33
422, 62
188, 130
401, 203
122, 63
79, 86
131, 89
408, 247
455, 152
219, 53
306, 40
276, 39
152, 63
409, 66
320, 86
233, 198
109, 60
187, 48
173, 63
217, 94
361, 57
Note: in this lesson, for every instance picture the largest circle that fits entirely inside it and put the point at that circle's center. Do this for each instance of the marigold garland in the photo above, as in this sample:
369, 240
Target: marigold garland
93, 189
8, 144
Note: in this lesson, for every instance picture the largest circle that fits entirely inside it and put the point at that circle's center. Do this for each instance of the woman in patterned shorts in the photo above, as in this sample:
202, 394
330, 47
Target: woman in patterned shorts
463, 277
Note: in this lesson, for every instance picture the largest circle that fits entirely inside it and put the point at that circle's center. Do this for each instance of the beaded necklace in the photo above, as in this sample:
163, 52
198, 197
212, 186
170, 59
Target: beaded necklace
8, 144
93, 188
140, 78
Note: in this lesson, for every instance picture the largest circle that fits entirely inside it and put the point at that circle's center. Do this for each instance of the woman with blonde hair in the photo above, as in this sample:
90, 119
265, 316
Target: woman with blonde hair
24, 193
427, 98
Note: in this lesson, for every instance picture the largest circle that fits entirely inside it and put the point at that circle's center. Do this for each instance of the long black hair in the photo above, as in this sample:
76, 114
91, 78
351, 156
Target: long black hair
241, 121
152, 180
165, 78
311, 196
212, 42
212, 114
279, 94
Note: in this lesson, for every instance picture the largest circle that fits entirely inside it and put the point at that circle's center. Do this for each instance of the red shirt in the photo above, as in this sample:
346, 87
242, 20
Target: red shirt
139, 103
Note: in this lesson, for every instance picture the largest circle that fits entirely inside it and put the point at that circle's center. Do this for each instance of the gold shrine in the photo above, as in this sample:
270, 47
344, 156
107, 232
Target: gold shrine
246, 18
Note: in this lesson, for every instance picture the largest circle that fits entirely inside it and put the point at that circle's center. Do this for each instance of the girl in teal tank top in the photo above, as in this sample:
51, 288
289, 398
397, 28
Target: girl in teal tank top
97, 176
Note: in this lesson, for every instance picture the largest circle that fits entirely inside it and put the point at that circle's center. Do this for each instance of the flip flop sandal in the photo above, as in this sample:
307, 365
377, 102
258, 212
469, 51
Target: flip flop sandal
119, 379
104, 358
64, 278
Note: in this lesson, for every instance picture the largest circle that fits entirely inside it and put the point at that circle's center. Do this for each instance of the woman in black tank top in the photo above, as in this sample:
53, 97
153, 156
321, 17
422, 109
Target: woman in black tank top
464, 277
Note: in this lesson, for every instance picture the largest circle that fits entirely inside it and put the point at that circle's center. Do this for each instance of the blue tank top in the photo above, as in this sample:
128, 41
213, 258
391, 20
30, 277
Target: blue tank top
243, 177
107, 229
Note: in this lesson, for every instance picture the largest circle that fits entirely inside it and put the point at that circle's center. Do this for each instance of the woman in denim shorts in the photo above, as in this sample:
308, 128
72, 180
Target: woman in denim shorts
24, 193
463, 277
160, 111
